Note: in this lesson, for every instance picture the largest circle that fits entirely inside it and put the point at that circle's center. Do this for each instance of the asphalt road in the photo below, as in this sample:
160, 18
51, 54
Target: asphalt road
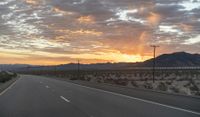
34, 96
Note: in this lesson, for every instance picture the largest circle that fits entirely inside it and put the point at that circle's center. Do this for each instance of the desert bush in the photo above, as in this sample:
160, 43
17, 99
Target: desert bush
175, 89
88, 79
134, 83
109, 81
148, 85
168, 82
99, 80
4, 76
197, 93
194, 88
121, 82
82, 77
73, 77
162, 86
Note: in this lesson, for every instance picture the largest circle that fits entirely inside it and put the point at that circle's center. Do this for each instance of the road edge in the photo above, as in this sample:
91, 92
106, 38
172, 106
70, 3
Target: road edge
139, 99
134, 88
7, 85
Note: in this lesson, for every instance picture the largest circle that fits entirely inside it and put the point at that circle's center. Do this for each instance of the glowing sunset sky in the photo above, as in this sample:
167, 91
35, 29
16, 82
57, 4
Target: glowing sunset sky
49, 32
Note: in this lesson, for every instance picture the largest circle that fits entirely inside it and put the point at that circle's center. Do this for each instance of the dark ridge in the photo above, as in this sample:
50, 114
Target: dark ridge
178, 59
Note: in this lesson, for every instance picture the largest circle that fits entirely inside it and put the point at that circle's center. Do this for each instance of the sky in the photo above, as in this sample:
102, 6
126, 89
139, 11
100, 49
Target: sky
49, 32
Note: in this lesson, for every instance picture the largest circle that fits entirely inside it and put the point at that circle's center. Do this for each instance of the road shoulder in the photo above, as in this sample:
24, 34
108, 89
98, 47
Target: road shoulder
4, 86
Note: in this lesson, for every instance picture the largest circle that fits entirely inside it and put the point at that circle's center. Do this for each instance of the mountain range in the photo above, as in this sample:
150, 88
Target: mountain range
177, 59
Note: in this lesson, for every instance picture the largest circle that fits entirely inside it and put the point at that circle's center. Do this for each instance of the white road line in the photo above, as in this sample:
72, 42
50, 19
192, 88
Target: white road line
47, 87
64, 99
142, 100
8, 87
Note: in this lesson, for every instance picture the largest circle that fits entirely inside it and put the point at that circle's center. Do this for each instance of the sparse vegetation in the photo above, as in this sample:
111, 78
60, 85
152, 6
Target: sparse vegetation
6, 76
162, 86
174, 89
134, 83
148, 85
176, 81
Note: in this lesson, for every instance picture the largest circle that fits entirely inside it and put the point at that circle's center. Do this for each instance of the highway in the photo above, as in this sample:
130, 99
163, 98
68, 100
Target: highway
36, 96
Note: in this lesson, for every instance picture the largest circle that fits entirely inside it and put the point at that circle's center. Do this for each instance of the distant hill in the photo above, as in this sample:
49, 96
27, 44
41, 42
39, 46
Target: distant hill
10, 67
178, 59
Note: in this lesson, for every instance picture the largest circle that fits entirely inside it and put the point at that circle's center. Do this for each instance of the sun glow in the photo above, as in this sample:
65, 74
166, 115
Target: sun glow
113, 57
62, 31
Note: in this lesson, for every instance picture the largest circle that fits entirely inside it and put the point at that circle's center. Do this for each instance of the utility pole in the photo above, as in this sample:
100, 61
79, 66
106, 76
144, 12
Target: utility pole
154, 60
78, 66
55, 68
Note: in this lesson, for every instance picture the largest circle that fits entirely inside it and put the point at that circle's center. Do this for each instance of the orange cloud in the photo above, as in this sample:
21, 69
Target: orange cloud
186, 27
154, 19
82, 32
87, 32
142, 40
86, 20
10, 55
33, 2
59, 38
57, 10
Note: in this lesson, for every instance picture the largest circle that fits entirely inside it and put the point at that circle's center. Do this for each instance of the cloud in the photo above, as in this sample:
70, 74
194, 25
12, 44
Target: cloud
86, 20
112, 27
32, 2
154, 19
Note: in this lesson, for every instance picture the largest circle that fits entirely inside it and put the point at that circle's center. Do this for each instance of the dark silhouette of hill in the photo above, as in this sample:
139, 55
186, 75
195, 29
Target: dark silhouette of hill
178, 59
10, 67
